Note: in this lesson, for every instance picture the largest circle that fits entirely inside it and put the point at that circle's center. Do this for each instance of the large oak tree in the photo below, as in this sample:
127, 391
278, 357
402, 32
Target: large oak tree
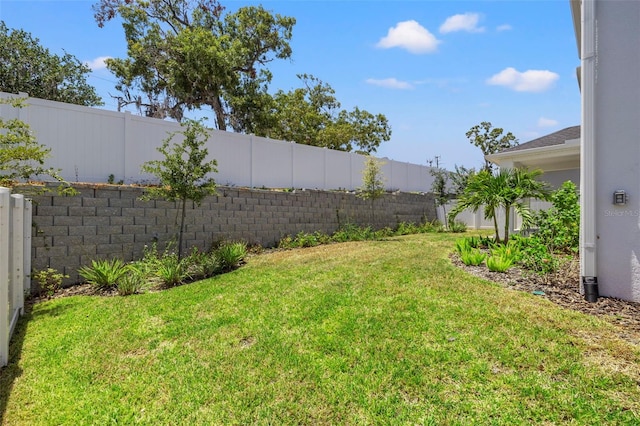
186, 54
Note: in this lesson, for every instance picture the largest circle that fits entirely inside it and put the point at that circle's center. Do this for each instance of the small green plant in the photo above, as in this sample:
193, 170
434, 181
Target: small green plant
458, 227
130, 283
509, 251
499, 263
104, 274
50, 281
535, 256
171, 271
230, 254
463, 245
406, 228
473, 257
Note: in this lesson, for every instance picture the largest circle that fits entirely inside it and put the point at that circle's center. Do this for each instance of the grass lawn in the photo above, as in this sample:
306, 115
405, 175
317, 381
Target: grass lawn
385, 332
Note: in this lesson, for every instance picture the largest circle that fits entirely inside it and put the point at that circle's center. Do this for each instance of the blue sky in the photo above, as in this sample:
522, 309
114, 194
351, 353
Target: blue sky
434, 68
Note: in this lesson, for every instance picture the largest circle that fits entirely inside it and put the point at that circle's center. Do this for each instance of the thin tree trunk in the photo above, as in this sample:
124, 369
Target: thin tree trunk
219, 111
495, 226
184, 213
507, 211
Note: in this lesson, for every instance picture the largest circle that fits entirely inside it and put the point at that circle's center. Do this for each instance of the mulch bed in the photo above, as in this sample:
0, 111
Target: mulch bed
563, 288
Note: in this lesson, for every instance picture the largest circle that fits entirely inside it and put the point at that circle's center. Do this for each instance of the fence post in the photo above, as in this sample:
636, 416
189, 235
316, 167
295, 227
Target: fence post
5, 206
26, 244
17, 257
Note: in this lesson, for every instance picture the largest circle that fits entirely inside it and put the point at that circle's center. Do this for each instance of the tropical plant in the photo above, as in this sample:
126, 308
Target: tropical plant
183, 173
457, 227
507, 189
499, 263
104, 274
472, 257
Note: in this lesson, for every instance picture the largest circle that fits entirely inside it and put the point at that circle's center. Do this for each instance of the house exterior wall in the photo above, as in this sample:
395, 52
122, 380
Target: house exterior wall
611, 142
558, 177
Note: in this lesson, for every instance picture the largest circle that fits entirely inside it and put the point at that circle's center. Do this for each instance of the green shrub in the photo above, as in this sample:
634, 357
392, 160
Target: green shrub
535, 256
473, 257
104, 274
499, 263
407, 228
559, 226
50, 281
229, 255
458, 227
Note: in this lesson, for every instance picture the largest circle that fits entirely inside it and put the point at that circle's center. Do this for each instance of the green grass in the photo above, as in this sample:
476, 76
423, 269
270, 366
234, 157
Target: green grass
381, 332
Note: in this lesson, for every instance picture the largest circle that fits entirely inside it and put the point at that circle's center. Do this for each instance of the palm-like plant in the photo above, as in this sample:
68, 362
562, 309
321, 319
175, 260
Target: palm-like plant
506, 189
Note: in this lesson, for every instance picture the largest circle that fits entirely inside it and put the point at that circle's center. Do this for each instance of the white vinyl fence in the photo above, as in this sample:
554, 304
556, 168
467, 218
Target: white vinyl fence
15, 263
89, 144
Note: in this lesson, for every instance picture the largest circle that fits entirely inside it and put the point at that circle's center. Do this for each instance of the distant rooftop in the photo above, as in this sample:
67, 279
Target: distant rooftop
556, 138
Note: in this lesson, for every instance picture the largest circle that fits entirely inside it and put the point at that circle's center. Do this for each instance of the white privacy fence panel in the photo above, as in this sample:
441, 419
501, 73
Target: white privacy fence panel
90, 144
15, 263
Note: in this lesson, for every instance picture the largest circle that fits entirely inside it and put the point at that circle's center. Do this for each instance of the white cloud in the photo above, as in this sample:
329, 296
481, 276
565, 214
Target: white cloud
97, 63
527, 81
547, 122
462, 22
410, 35
390, 83
504, 27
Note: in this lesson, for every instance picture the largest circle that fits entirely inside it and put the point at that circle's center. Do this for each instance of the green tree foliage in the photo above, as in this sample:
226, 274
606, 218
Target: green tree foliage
183, 172
311, 115
186, 54
460, 178
372, 182
505, 190
439, 188
490, 140
21, 157
558, 227
26, 66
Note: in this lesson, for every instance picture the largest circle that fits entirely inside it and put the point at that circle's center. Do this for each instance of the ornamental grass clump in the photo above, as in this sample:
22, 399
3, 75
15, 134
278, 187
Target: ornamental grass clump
230, 255
499, 263
104, 274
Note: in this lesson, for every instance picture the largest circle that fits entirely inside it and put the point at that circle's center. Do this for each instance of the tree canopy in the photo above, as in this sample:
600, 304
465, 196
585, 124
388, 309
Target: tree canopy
490, 140
26, 66
311, 115
185, 54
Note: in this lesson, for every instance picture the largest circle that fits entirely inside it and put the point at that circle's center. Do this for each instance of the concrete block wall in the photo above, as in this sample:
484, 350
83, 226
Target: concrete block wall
111, 221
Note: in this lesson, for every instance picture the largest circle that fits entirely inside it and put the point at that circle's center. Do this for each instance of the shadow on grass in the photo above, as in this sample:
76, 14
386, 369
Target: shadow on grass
12, 371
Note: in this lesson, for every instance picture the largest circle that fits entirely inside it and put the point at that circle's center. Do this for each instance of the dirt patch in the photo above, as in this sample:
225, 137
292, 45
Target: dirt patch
563, 288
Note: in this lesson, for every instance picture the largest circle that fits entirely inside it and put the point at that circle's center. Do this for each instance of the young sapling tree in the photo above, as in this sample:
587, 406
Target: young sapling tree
184, 171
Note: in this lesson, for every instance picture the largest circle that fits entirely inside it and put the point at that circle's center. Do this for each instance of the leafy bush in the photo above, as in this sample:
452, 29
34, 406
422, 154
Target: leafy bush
473, 257
230, 254
535, 256
509, 251
104, 274
407, 228
351, 232
50, 281
559, 226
